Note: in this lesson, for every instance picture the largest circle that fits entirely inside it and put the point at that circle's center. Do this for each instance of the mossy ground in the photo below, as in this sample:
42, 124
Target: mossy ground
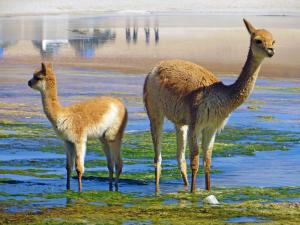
103, 207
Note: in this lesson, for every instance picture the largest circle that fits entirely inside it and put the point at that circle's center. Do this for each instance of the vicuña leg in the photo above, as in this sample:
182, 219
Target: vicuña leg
156, 128
70, 152
208, 139
110, 163
114, 147
79, 162
181, 137
194, 157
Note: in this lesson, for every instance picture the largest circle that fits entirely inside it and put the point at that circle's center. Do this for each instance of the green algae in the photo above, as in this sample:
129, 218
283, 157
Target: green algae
253, 107
52, 148
31, 172
255, 102
228, 143
185, 210
266, 117
95, 163
17, 129
247, 148
240, 194
278, 88
108, 197
146, 176
139, 145
286, 138
243, 194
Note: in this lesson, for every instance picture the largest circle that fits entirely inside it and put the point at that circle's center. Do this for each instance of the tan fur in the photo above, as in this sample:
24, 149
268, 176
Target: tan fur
189, 95
183, 77
101, 117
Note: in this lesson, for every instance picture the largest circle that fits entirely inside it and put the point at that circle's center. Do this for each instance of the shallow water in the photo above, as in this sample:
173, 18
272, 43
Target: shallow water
247, 219
264, 169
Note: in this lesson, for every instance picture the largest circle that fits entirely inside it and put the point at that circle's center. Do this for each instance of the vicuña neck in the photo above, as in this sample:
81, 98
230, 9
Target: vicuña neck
51, 103
243, 86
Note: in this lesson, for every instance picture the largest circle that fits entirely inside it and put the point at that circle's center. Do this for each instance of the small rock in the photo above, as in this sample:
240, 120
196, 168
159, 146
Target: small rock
211, 199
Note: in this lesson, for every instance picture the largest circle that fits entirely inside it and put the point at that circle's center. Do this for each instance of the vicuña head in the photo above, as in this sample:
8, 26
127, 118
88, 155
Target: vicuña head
43, 78
261, 41
102, 117
198, 103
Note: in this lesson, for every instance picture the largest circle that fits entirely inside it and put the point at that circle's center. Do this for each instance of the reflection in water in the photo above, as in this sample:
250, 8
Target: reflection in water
50, 35
156, 32
86, 45
147, 34
49, 48
147, 31
135, 35
3, 46
128, 35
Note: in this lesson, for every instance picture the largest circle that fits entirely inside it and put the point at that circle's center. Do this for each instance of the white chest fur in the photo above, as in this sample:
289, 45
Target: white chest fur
98, 129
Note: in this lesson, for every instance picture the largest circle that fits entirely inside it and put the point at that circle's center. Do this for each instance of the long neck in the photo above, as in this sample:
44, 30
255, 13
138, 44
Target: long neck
51, 103
243, 86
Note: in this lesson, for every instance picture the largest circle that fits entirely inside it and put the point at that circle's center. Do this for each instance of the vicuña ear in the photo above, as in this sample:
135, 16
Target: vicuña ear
43, 70
251, 29
50, 66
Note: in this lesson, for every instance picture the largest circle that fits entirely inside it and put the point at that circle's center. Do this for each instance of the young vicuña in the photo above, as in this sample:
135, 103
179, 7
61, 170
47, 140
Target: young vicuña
103, 118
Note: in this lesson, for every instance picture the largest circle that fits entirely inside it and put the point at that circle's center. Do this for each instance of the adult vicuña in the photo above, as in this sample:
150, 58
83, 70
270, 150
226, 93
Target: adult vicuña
198, 103
101, 117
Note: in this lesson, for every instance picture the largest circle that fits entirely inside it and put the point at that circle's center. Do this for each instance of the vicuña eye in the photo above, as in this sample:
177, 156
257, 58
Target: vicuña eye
258, 41
37, 78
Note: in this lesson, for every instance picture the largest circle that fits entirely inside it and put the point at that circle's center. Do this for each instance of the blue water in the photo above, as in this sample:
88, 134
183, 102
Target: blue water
247, 219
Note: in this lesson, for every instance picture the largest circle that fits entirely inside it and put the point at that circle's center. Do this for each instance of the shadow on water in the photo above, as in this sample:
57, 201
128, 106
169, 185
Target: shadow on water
122, 181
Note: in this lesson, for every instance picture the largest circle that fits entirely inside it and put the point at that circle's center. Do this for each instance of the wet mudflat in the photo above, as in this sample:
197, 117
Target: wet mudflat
255, 162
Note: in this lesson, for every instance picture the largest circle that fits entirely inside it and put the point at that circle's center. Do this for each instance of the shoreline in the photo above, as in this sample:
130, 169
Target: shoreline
128, 71
127, 67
